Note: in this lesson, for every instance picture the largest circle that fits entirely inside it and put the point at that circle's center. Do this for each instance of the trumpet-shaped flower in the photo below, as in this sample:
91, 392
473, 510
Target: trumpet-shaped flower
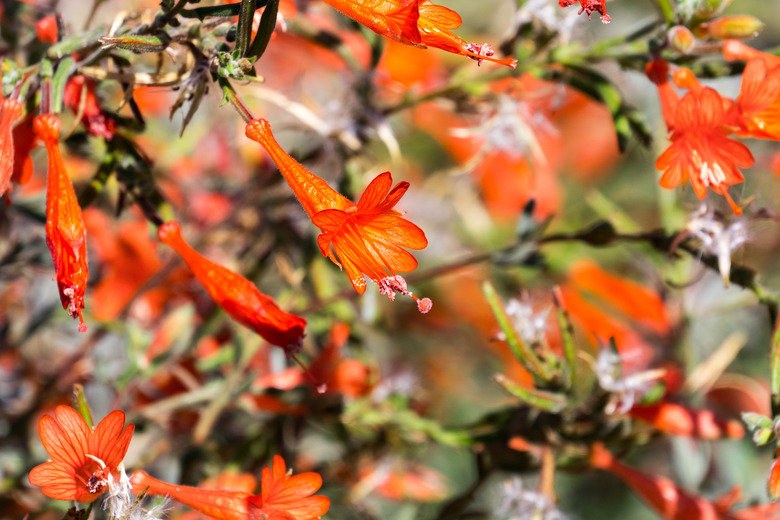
80, 96
238, 296
701, 150
83, 461
65, 232
419, 23
756, 110
282, 496
364, 238
660, 493
10, 110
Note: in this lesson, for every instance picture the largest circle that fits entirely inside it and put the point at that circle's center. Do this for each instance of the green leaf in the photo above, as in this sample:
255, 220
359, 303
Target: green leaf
756, 421
546, 401
763, 436
774, 358
567, 337
60, 79
521, 350
266, 29
246, 16
82, 405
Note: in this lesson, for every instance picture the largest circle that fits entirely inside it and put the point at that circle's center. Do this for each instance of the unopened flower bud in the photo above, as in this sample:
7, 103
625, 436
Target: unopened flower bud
730, 27
706, 9
681, 39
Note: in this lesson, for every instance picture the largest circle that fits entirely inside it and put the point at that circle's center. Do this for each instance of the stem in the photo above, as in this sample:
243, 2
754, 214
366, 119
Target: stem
666, 10
229, 94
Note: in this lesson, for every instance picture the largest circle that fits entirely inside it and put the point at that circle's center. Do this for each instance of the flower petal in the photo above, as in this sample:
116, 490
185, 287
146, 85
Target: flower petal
375, 192
57, 480
66, 438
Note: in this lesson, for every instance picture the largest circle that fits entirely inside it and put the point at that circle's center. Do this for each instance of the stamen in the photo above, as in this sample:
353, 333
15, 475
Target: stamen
480, 50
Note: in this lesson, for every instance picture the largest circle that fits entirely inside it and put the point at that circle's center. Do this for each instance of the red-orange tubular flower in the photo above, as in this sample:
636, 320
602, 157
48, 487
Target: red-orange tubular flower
238, 296
701, 151
368, 237
282, 496
83, 461
589, 6
66, 235
419, 23
80, 89
660, 493
10, 111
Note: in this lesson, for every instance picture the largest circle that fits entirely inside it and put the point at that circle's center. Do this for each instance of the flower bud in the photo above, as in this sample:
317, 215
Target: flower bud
46, 29
706, 9
730, 27
681, 39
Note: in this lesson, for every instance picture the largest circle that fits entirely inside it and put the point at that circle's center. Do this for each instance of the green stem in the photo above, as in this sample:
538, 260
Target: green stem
666, 10
229, 94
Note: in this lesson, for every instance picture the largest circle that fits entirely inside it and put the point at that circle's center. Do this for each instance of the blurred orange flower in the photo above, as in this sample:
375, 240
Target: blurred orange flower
83, 460
10, 111
24, 141
677, 419
419, 23
368, 237
238, 296
80, 96
65, 232
46, 29
757, 108
660, 493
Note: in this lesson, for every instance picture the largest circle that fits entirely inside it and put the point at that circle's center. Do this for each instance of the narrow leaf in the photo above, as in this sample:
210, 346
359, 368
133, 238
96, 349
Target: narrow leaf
82, 405
60, 79
266, 29
246, 16
547, 401
567, 335
519, 348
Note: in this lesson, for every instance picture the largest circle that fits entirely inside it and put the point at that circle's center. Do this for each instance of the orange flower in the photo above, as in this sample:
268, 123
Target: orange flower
368, 237
418, 23
589, 6
65, 232
217, 503
46, 29
83, 460
701, 150
283, 496
773, 484
238, 296
660, 493
10, 110
757, 108
676, 419
758, 104
94, 119
24, 141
